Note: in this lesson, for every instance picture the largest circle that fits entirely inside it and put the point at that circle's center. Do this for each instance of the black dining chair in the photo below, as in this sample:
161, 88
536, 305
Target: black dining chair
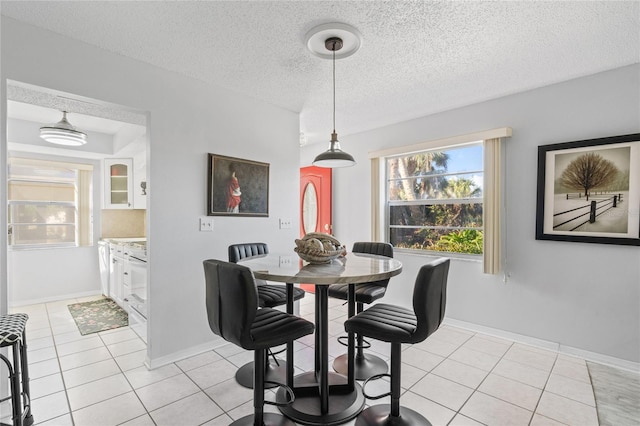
365, 364
397, 325
269, 296
234, 314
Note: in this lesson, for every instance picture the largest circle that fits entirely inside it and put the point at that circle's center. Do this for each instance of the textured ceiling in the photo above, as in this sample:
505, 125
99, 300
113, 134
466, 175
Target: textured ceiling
416, 58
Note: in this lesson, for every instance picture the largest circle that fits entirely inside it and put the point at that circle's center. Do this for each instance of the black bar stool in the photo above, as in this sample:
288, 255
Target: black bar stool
398, 325
365, 364
12, 333
269, 296
234, 315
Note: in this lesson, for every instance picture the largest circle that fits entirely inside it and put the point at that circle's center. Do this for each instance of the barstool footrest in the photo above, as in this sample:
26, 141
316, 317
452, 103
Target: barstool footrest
273, 354
376, 377
365, 343
287, 389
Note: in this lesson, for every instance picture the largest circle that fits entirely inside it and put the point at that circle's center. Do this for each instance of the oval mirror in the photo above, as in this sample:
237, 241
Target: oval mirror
310, 209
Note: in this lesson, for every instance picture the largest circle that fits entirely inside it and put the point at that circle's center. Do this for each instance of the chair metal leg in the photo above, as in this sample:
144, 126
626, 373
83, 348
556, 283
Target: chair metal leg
26, 390
259, 417
365, 365
393, 414
273, 373
396, 363
15, 386
258, 386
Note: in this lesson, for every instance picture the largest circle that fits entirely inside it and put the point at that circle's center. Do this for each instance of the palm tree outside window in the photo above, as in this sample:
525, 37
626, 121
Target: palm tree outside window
434, 200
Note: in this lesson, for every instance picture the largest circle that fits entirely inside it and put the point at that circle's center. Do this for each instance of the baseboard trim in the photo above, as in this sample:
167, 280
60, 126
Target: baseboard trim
54, 298
548, 345
183, 354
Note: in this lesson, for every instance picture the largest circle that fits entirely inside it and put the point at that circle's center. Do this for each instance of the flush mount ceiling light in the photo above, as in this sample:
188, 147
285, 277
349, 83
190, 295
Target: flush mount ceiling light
334, 37
63, 133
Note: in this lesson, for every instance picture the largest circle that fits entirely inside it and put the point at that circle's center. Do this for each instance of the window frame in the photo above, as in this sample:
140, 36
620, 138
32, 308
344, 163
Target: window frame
78, 168
428, 202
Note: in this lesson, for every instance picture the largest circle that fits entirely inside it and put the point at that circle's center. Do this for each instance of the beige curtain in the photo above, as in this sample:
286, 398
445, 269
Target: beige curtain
492, 206
375, 201
85, 234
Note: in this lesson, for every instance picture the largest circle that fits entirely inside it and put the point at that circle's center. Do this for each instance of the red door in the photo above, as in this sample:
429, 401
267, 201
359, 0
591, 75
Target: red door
315, 203
315, 200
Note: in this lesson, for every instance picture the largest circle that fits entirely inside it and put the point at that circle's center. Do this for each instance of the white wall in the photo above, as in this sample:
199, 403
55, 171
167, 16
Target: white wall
578, 295
187, 120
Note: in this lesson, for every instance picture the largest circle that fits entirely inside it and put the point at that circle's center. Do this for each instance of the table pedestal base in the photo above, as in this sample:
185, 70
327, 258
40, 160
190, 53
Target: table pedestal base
344, 405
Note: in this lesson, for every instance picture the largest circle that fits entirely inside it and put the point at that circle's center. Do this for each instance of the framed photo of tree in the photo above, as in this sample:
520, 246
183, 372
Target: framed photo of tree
589, 191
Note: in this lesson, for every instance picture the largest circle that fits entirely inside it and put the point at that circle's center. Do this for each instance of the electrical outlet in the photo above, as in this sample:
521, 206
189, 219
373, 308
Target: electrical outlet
285, 223
206, 224
285, 260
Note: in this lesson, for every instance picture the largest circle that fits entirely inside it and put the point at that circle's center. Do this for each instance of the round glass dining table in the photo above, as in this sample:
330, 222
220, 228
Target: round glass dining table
323, 397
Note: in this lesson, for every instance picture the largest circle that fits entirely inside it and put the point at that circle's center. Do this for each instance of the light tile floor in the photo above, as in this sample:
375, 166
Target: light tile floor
455, 377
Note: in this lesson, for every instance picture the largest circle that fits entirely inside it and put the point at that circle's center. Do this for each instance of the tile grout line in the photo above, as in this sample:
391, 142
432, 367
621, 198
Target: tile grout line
55, 348
543, 389
113, 358
458, 412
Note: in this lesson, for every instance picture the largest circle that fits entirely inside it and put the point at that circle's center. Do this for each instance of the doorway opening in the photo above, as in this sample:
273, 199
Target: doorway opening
59, 197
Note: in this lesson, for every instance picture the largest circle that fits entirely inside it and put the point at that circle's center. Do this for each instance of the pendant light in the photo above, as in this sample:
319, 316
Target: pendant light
334, 156
63, 133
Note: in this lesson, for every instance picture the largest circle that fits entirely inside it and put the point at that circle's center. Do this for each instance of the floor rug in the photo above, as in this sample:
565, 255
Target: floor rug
98, 315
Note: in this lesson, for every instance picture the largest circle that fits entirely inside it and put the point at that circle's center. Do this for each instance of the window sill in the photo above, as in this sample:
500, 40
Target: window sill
33, 248
475, 258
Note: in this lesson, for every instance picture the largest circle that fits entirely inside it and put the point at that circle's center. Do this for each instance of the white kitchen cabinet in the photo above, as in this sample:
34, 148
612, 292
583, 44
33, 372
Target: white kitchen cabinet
119, 282
116, 274
127, 274
126, 281
118, 183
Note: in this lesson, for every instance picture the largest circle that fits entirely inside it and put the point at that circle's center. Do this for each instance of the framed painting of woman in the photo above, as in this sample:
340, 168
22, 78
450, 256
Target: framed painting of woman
237, 187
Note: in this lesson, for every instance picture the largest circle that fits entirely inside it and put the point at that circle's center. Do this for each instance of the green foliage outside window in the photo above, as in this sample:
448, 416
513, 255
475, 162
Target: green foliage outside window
431, 207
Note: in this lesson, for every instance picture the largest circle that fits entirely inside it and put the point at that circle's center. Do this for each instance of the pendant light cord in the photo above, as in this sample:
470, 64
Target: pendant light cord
334, 86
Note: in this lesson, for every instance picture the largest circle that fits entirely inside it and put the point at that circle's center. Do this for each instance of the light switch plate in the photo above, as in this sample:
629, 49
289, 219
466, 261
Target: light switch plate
285, 223
206, 224
285, 260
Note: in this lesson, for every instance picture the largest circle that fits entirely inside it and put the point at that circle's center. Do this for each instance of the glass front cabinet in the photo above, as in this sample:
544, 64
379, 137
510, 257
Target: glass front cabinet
118, 183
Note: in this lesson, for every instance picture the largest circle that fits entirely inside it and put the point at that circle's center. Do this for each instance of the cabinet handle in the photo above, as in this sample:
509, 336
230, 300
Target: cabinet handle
126, 273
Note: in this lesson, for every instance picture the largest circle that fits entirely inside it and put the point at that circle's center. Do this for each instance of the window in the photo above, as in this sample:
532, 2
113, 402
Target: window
49, 204
442, 196
434, 200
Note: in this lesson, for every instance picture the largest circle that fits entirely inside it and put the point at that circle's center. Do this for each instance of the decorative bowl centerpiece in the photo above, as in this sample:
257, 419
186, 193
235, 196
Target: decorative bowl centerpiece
318, 247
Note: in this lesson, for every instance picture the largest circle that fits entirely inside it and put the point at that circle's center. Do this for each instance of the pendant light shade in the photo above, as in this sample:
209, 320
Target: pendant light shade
334, 156
63, 133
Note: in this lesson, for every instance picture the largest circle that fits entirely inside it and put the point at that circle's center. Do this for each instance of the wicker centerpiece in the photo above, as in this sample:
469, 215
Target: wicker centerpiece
317, 247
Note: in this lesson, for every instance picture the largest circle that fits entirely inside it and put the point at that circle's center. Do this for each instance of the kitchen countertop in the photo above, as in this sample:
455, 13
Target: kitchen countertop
124, 240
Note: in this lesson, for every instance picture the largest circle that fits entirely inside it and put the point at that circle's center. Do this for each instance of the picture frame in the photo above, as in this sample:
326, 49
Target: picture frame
589, 191
237, 187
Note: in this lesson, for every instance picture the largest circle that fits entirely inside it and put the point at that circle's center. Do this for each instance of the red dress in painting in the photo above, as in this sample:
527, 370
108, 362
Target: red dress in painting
233, 195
